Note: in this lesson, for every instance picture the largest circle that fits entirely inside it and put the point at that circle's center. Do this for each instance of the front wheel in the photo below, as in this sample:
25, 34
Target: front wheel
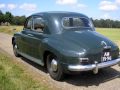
54, 68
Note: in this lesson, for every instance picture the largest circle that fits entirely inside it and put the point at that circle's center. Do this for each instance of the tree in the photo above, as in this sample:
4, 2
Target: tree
19, 20
8, 17
106, 23
1, 17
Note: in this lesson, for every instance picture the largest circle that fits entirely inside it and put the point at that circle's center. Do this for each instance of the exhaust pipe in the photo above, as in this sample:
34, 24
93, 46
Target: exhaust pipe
95, 70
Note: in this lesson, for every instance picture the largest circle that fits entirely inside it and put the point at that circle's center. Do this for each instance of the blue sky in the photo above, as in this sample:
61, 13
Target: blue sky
93, 8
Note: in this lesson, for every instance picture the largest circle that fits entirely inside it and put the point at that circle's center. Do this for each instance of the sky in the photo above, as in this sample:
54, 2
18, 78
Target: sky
97, 9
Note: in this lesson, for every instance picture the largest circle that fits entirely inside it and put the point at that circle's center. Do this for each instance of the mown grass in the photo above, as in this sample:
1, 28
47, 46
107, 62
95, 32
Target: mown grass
112, 33
13, 77
10, 29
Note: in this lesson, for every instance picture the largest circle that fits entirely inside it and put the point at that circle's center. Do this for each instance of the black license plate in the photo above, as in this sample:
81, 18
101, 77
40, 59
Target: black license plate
106, 55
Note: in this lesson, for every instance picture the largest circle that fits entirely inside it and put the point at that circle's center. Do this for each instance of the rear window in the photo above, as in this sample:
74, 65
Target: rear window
76, 22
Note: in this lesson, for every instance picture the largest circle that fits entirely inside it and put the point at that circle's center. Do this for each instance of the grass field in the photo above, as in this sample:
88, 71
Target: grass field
111, 33
13, 76
10, 29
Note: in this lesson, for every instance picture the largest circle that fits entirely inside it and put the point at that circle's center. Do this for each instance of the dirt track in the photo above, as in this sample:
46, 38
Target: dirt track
108, 79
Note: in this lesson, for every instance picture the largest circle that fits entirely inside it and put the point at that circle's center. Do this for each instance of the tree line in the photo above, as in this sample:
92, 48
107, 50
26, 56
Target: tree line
19, 20
106, 23
7, 17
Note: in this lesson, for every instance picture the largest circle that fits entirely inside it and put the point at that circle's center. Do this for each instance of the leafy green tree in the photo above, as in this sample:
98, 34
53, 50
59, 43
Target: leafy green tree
106, 23
8, 17
19, 20
1, 17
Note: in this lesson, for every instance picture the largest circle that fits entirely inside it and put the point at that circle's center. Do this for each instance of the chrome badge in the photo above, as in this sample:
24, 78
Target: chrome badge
104, 44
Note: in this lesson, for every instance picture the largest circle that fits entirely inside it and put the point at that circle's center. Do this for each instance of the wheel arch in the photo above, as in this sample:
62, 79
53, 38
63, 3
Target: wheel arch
13, 40
45, 54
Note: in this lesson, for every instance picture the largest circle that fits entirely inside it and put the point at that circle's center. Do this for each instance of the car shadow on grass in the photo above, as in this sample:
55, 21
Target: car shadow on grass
83, 78
89, 79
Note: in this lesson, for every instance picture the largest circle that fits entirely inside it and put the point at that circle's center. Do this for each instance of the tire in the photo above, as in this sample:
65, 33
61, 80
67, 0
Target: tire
15, 50
54, 68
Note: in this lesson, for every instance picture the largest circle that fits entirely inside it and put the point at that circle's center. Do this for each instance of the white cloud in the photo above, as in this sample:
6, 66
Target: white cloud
2, 6
74, 3
28, 7
81, 5
106, 16
118, 2
11, 6
66, 2
108, 6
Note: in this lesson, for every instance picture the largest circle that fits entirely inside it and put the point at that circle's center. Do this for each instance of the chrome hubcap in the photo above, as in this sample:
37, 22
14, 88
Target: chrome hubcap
15, 48
54, 65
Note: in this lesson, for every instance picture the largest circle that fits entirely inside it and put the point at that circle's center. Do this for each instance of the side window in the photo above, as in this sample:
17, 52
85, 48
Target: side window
38, 24
29, 24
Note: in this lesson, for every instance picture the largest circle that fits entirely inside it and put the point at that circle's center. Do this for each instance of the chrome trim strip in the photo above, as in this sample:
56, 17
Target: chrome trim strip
93, 66
38, 61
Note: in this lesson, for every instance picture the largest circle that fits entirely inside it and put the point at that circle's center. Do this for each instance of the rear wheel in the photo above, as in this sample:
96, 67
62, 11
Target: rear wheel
15, 47
54, 68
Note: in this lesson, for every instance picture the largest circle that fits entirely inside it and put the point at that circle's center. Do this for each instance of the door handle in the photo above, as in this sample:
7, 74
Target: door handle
30, 35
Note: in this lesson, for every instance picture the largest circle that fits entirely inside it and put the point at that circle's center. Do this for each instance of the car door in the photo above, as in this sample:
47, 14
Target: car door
39, 34
36, 36
24, 40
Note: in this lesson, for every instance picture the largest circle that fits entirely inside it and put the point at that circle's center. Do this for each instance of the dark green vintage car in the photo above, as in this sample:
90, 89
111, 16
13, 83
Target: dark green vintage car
64, 42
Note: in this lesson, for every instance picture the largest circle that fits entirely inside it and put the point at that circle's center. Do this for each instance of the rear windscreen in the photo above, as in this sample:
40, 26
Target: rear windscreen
76, 22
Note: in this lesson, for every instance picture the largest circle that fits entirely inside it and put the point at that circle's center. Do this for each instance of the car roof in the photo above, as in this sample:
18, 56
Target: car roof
59, 13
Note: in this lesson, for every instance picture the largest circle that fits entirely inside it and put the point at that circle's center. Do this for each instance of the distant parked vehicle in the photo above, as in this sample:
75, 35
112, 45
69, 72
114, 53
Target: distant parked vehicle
64, 42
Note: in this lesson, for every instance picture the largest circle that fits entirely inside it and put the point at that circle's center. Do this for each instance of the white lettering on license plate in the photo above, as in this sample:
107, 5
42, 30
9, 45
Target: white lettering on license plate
106, 57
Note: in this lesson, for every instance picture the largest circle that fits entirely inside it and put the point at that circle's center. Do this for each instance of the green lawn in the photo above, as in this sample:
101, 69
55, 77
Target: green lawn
13, 76
10, 29
111, 33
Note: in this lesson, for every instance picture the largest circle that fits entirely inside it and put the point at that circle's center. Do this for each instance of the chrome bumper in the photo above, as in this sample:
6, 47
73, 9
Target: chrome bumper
93, 67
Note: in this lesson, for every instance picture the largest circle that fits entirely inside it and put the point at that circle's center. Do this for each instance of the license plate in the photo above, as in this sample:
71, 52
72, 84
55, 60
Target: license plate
106, 56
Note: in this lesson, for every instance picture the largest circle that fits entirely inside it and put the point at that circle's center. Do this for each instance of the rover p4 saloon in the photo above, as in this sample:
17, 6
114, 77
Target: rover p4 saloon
64, 42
